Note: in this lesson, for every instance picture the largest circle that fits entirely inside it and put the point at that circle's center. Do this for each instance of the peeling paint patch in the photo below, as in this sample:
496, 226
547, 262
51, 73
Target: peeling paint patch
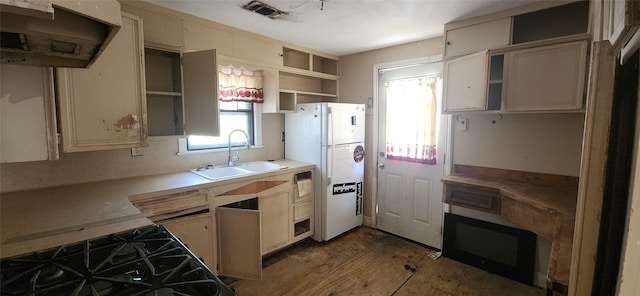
128, 122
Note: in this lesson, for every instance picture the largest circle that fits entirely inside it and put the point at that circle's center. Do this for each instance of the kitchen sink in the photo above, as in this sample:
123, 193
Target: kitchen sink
242, 169
259, 166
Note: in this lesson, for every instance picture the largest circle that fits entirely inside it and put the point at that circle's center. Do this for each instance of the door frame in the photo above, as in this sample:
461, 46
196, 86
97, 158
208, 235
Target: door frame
372, 222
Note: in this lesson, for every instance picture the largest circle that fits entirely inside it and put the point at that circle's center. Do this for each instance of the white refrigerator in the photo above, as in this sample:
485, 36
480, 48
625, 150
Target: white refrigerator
331, 136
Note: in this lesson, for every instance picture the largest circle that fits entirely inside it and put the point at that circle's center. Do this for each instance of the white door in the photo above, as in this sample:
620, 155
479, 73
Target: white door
409, 189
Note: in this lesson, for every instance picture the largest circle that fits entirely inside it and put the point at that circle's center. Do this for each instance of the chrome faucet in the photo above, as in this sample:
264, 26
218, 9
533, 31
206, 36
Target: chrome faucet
233, 159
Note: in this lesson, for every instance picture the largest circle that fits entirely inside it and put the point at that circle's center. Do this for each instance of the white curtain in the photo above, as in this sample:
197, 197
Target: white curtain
411, 119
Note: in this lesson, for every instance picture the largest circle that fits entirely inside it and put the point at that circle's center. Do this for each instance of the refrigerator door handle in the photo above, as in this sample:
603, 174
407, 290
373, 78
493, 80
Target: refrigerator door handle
329, 164
330, 125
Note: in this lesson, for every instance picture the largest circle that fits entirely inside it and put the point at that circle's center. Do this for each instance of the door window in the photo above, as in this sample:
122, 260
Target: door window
411, 131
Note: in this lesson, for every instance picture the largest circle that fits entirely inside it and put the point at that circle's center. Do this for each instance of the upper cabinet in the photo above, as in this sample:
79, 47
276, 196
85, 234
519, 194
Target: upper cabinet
255, 49
531, 86
200, 80
292, 74
465, 82
533, 61
28, 130
160, 30
182, 93
201, 37
476, 37
104, 107
304, 77
624, 17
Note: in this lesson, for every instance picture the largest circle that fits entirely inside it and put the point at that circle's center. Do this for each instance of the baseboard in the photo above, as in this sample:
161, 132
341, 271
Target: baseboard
540, 279
366, 221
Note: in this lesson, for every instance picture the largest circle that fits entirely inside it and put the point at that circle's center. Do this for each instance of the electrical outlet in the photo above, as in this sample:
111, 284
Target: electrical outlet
461, 124
137, 151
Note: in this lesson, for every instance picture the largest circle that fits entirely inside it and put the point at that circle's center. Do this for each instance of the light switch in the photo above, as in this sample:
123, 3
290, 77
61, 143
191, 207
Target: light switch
461, 124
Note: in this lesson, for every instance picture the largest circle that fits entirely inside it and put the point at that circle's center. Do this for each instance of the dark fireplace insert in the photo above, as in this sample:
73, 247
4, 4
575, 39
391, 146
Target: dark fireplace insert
499, 249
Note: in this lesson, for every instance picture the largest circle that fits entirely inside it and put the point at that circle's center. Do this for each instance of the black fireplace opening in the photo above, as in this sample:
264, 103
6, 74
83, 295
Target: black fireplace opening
499, 249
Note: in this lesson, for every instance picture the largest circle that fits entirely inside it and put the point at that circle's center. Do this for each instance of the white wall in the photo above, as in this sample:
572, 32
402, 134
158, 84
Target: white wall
541, 143
159, 157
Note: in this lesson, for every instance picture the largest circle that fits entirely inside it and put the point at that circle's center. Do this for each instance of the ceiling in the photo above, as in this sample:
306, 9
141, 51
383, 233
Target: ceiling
342, 27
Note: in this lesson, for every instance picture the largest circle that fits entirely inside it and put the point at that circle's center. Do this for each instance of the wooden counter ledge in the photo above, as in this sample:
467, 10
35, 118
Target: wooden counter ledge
542, 203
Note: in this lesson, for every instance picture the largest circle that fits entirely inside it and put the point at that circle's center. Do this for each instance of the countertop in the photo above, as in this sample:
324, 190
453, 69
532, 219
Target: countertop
43, 218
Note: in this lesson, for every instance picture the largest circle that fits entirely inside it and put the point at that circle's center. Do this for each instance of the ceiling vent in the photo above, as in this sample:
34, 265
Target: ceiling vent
263, 9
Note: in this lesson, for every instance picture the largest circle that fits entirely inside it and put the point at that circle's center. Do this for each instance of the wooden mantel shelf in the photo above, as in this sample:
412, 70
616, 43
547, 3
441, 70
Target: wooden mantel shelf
542, 203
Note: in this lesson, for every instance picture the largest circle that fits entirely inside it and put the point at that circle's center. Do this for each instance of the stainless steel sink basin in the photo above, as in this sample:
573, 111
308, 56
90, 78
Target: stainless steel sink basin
225, 172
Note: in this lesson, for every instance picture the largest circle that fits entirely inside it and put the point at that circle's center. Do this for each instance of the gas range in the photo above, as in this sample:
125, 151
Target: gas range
142, 261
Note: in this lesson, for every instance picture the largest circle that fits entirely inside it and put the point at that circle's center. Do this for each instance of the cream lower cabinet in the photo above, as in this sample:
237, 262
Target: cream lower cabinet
104, 107
187, 215
239, 242
197, 232
254, 218
275, 220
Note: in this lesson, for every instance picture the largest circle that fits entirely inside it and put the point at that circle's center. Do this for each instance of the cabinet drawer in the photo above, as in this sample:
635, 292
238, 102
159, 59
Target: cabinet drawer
473, 198
173, 205
302, 210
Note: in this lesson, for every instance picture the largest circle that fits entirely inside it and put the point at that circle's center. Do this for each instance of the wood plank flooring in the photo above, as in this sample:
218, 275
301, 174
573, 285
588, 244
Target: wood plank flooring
366, 261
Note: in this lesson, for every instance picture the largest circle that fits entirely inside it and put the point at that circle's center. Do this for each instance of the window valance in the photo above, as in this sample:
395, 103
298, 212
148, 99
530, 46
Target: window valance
240, 85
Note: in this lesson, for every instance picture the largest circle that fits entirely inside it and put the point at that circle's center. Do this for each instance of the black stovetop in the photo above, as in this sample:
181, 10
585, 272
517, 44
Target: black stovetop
143, 261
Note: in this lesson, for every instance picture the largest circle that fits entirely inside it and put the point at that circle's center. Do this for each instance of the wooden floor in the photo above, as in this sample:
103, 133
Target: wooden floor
365, 261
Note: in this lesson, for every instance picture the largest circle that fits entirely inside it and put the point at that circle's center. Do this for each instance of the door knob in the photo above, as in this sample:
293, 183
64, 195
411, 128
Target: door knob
381, 165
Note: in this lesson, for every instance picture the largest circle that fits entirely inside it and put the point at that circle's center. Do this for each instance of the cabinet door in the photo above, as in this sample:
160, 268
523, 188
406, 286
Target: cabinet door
104, 107
160, 30
275, 221
546, 78
477, 37
27, 109
239, 242
201, 37
256, 50
198, 233
196, 36
200, 87
465, 82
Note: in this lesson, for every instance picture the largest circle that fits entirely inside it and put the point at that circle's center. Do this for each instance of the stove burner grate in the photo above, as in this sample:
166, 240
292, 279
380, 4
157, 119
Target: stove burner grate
146, 261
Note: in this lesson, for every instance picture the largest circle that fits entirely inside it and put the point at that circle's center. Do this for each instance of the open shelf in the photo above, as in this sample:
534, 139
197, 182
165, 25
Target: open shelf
301, 60
295, 59
559, 21
325, 65
308, 85
496, 76
287, 101
302, 227
164, 92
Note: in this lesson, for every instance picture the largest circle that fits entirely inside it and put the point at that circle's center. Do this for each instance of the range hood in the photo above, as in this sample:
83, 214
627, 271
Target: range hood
58, 33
